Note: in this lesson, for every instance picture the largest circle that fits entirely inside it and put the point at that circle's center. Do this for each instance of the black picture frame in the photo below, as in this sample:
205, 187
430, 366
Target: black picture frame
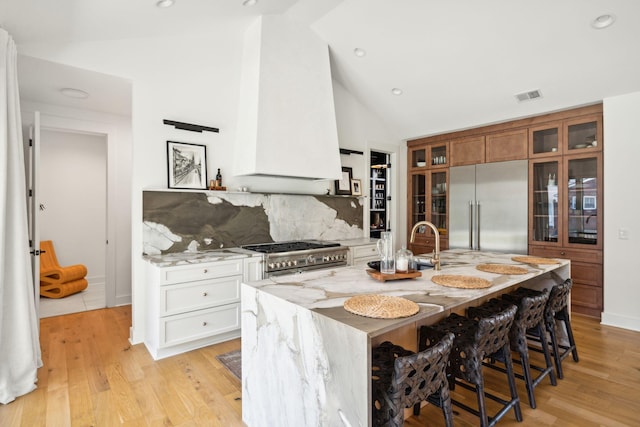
186, 165
343, 186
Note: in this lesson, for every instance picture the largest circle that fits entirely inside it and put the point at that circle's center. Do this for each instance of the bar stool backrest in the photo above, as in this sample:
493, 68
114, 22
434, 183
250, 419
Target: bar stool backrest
558, 300
493, 331
420, 375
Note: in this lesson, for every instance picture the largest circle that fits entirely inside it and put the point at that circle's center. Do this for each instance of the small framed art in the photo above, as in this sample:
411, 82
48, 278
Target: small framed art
343, 185
356, 187
186, 165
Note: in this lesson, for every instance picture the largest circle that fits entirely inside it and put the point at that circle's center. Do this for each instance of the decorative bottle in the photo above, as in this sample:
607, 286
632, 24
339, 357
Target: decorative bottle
218, 179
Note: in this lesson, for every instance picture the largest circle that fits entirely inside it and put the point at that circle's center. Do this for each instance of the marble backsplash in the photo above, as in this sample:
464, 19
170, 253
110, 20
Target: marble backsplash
176, 221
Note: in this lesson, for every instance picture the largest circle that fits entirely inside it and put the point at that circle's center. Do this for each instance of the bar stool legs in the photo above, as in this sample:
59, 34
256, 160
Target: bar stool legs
557, 311
474, 340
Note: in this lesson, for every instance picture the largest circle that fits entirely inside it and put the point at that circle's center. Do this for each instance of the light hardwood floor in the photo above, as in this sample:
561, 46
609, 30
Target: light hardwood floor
92, 376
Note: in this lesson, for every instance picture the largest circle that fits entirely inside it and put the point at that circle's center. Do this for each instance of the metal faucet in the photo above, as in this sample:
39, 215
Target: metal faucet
436, 255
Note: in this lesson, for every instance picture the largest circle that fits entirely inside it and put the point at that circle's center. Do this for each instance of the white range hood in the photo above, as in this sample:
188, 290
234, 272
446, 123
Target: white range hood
286, 122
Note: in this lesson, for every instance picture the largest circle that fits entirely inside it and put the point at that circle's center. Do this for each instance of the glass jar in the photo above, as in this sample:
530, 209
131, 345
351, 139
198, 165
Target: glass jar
404, 260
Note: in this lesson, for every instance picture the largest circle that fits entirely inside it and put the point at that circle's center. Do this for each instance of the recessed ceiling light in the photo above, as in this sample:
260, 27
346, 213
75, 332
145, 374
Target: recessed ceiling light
603, 21
165, 3
74, 93
249, 2
396, 91
359, 52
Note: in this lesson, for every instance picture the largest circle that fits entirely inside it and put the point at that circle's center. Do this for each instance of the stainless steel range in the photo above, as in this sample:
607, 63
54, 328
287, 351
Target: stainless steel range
290, 257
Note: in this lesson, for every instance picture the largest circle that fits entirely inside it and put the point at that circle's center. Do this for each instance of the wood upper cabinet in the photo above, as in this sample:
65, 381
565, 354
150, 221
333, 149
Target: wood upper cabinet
467, 151
505, 146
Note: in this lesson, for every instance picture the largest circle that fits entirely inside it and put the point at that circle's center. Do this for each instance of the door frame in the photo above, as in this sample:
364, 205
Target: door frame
64, 124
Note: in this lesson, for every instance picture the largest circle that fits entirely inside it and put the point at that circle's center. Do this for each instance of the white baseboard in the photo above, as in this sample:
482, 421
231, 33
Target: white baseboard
619, 321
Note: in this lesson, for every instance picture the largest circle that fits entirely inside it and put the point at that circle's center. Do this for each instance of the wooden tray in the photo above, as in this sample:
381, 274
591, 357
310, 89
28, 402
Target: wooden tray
396, 276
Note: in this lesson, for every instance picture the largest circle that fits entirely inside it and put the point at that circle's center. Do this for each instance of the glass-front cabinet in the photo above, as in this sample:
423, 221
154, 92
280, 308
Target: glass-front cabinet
428, 201
583, 200
544, 215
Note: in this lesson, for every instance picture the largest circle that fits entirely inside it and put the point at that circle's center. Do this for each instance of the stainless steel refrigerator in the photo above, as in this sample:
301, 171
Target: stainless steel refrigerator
488, 207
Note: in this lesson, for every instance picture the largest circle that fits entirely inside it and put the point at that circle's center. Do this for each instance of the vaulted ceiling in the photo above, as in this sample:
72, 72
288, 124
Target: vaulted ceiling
458, 63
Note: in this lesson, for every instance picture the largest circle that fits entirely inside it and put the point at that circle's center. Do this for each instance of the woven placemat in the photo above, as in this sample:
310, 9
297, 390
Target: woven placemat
534, 260
381, 306
458, 281
501, 269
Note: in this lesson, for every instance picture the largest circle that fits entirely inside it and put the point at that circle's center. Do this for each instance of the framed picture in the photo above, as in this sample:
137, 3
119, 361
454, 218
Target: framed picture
356, 187
343, 185
187, 165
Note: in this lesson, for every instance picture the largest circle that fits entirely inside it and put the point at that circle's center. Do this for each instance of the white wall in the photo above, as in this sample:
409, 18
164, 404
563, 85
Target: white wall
193, 79
73, 190
622, 208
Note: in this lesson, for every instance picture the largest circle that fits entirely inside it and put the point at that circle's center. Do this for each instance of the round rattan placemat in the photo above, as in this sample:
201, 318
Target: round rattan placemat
501, 269
534, 260
381, 306
458, 281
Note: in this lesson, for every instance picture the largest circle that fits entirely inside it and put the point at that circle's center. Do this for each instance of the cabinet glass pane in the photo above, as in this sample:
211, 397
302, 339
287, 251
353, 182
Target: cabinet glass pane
545, 140
582, 196
418, 186
582, 135
545, 202
418, 158
439, 155
439, 201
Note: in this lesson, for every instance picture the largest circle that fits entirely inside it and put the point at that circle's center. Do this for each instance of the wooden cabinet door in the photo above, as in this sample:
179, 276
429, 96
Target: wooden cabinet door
467, 151
505, 146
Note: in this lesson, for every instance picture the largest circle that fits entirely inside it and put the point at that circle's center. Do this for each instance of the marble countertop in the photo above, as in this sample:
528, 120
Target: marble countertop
325, 291
186, 258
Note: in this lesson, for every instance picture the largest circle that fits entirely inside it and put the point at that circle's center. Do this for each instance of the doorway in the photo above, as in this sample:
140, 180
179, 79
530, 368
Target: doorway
73, 212
380, 185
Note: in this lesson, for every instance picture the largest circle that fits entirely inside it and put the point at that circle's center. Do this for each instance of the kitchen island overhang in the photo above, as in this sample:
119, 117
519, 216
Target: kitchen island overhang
306, 361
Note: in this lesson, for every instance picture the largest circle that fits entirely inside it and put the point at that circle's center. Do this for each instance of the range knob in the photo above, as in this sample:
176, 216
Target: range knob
311, 259
272, 265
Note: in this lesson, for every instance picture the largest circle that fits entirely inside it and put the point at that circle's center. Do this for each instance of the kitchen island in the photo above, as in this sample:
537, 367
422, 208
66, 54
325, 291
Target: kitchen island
306, 361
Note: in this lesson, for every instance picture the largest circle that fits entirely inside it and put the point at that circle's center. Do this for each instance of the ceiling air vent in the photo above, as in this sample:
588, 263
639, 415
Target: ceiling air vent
526, 96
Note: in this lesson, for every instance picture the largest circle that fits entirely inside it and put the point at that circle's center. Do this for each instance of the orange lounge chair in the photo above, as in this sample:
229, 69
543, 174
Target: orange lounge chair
57, 281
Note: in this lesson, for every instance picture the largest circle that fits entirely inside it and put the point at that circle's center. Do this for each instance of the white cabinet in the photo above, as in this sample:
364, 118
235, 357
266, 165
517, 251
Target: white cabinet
362, 254
194, 305
253, 268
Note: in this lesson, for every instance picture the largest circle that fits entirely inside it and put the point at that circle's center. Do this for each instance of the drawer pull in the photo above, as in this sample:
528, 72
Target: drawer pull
204, 294
562, 253
204, 323
206, 271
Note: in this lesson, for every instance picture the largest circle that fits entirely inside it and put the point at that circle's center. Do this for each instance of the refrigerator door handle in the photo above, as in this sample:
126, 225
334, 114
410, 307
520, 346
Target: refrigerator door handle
477, 225
470, 224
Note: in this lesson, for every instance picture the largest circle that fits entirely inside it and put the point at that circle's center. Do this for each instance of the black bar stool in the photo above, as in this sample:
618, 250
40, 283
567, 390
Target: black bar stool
402, 379
474, 340
557, 315
530, 316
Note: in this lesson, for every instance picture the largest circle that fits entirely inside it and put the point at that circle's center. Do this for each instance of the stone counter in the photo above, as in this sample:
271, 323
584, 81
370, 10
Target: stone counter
306, 360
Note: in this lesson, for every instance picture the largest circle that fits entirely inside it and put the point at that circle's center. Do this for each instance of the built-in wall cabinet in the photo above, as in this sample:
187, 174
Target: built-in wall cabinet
564, 151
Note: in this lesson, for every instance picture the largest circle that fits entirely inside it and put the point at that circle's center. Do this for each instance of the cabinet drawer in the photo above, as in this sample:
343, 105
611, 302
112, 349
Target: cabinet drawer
572, 254
586, 274
191, 296
586, 299
203, 271
427, 246
195, 325
364, 251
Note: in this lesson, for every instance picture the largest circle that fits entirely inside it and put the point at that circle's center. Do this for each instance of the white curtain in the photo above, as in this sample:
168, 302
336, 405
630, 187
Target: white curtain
20, 355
